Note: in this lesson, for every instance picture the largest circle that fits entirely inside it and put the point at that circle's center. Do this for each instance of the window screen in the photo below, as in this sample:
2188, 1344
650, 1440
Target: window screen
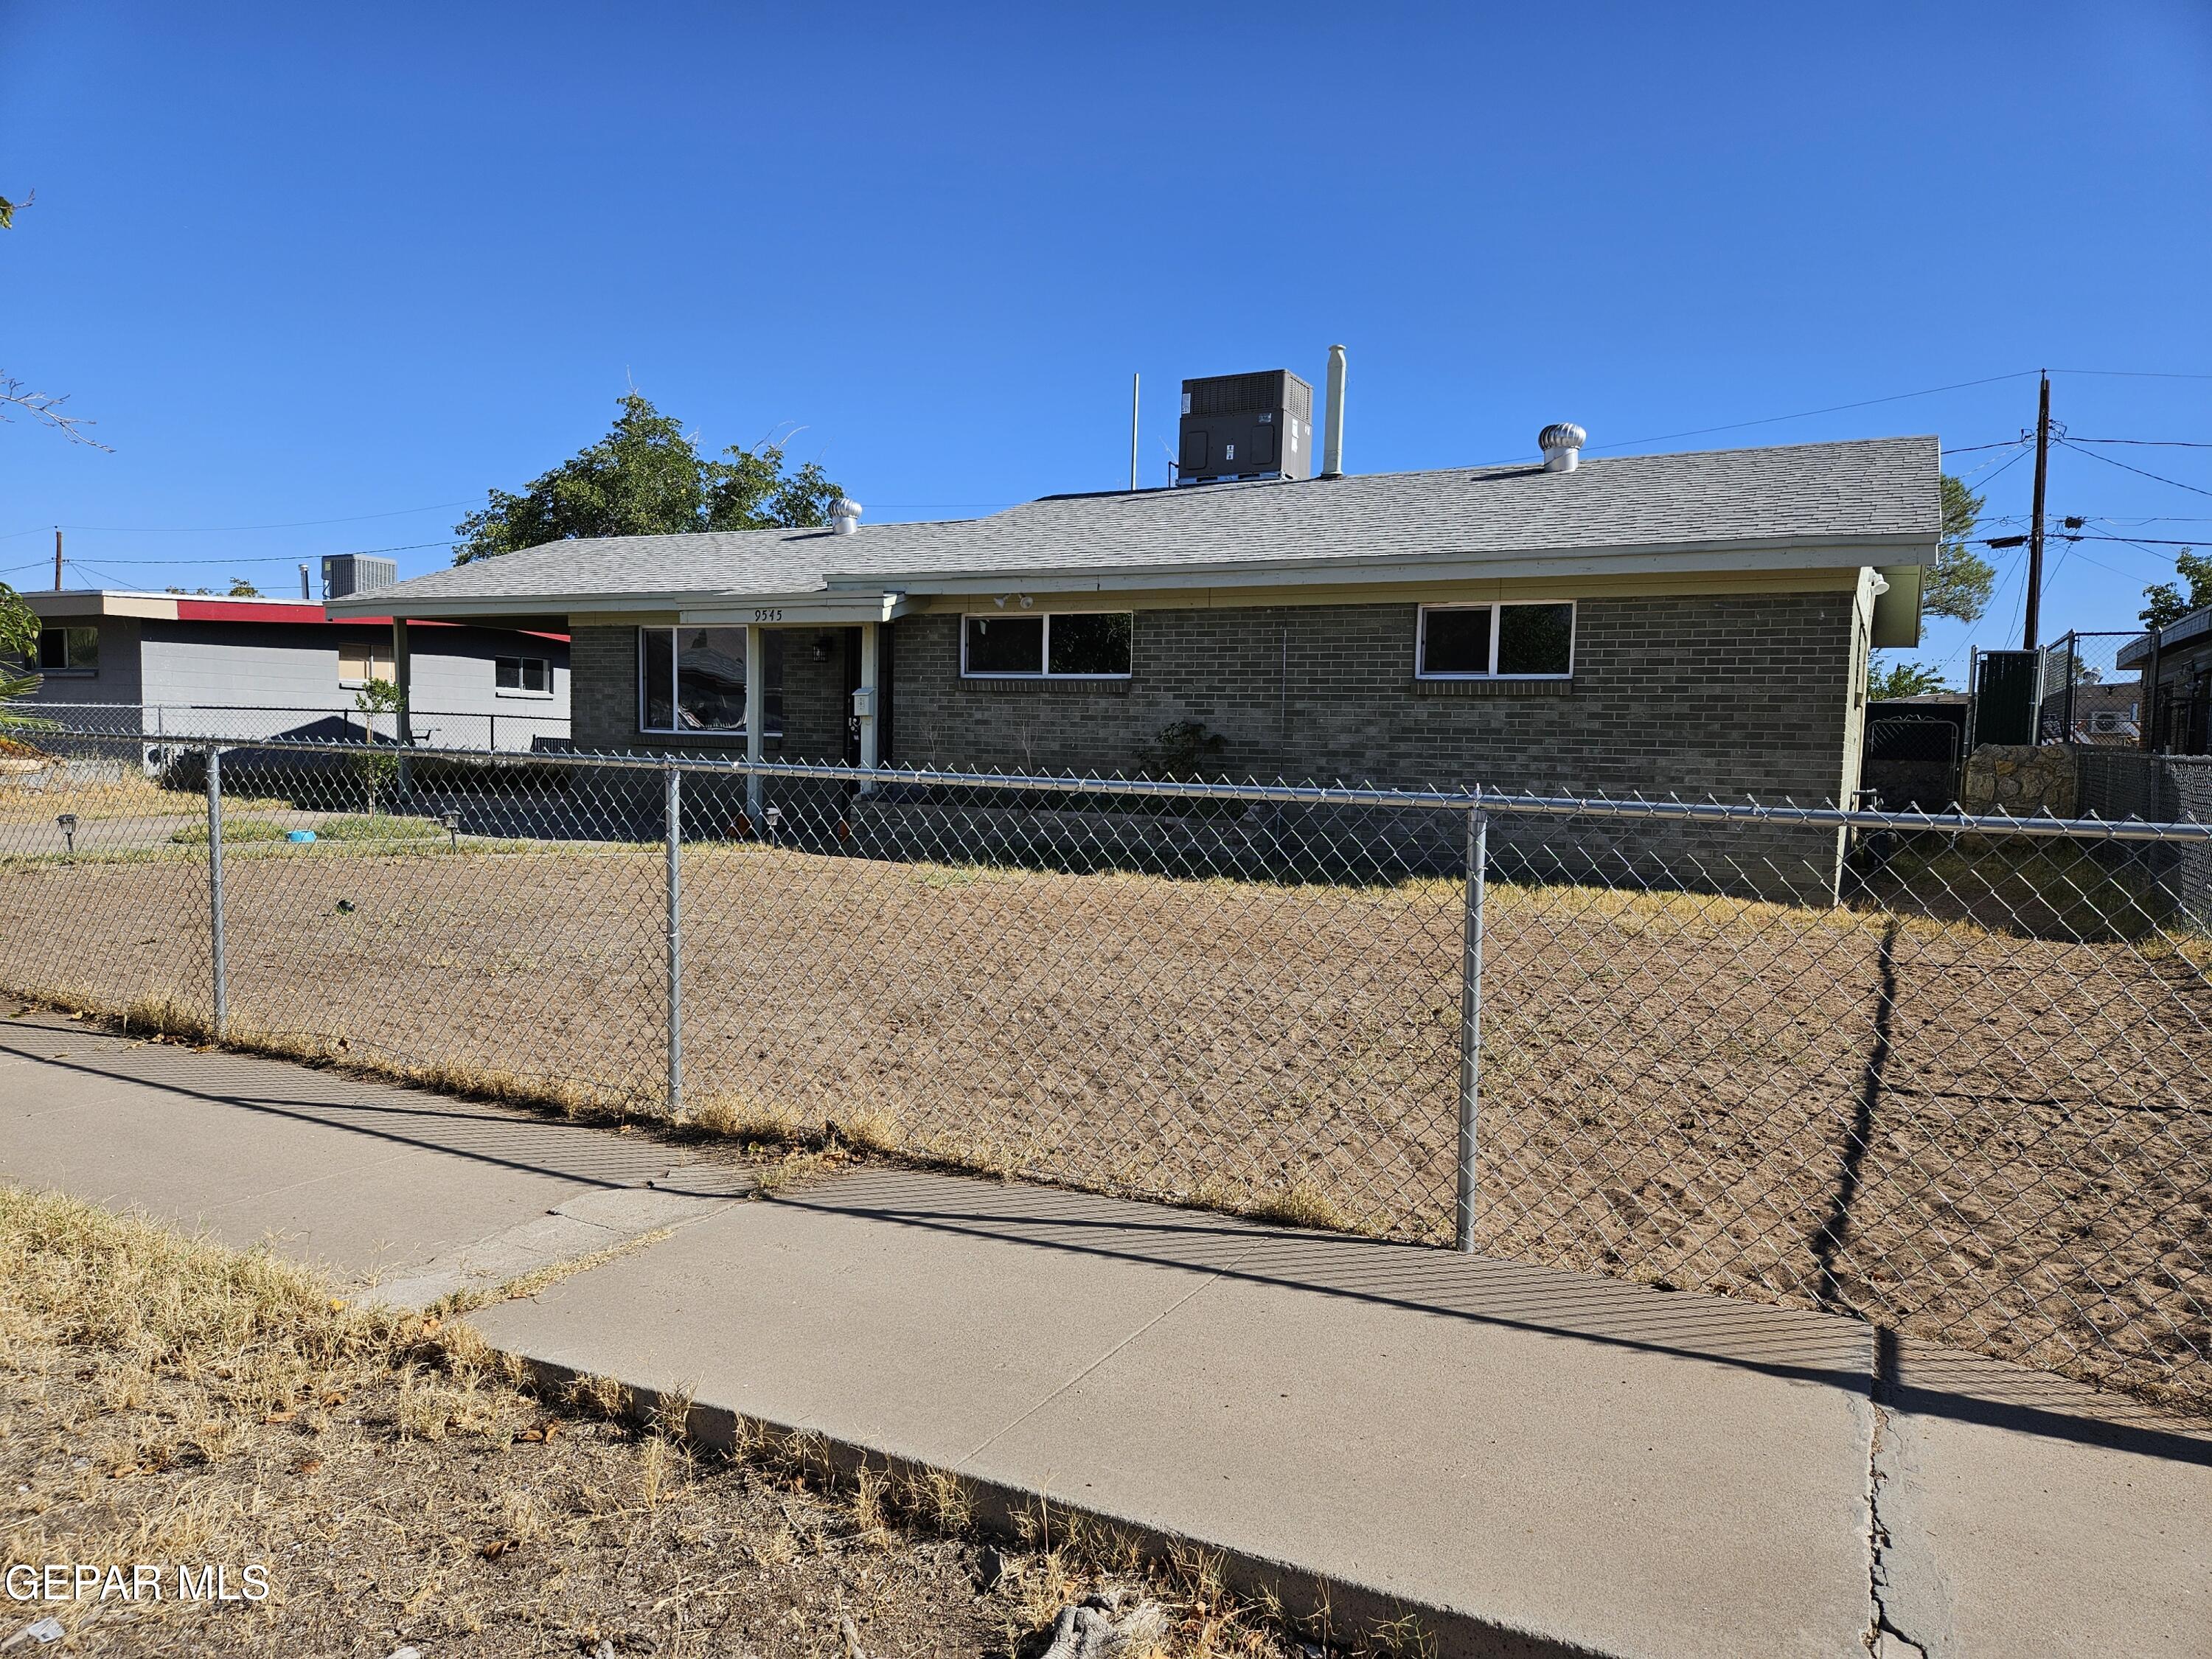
1006, 645
1536, 639
1082, 644
1456, 641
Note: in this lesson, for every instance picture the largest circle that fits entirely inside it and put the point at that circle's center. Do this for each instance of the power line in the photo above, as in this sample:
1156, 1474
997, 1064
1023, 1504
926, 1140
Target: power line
1984, 482
2134, 374
1803, 415
2147, 443
235, 529
2154, 477
275, 558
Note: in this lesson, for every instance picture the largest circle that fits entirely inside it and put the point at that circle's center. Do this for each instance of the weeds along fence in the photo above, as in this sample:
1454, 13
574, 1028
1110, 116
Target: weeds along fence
1950, 1075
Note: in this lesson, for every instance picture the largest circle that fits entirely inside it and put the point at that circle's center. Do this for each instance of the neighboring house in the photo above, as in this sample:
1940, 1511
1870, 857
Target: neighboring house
1694, 624
2176, 661
171, 665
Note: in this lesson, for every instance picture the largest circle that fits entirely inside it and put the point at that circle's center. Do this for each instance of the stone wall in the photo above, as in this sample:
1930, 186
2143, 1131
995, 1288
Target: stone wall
2022, 779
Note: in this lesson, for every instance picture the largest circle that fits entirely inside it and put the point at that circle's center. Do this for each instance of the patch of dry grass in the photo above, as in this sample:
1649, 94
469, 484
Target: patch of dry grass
165, 1400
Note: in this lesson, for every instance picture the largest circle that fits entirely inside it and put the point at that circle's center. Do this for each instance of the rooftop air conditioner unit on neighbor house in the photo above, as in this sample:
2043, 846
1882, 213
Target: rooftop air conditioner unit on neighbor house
345, 574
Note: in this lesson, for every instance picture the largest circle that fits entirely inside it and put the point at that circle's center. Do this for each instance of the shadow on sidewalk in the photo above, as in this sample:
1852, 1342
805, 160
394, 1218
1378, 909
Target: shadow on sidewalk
1824, 1349
505, 1137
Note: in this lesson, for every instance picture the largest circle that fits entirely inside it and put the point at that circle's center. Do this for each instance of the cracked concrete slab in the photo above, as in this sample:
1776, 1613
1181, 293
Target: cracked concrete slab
2026, 1514
1540, 1461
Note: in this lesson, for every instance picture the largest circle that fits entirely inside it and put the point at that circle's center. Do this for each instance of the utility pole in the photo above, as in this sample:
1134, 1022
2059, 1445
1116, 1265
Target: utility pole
2035, 519
58, 558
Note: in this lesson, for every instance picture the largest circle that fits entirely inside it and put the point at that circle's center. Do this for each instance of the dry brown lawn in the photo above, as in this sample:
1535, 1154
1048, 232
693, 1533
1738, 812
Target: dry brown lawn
168, 1403
1994, 1139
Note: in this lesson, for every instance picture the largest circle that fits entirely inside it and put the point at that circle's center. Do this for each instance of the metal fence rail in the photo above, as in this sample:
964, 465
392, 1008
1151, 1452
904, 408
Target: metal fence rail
1951, 1075
526, 728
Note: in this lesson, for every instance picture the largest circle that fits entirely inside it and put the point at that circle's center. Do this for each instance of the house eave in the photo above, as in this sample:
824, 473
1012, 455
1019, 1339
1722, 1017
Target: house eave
853, 596
1648, 559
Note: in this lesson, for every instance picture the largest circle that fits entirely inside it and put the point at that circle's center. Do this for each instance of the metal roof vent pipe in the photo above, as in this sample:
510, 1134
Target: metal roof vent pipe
1562, 443
1332, 442
844, 516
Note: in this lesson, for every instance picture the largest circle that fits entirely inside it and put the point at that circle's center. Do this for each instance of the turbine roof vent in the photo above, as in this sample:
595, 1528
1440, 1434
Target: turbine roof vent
1562, 443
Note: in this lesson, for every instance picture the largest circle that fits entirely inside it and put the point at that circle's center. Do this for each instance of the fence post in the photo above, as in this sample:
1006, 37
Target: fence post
218, 971
1470, 1022
675, 835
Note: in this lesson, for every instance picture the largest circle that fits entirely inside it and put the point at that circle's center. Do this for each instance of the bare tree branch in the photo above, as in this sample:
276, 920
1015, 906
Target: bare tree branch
46, 411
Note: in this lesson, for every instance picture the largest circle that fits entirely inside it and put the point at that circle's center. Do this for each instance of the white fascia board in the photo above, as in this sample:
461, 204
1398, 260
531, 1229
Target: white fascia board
1704, 557
842, 610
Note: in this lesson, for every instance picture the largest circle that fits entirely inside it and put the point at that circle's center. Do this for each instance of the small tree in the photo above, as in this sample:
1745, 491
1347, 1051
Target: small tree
241, 588
1180, 750
378, 767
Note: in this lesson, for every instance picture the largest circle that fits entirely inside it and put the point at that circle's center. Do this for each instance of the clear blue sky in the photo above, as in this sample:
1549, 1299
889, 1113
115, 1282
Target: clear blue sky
307, 265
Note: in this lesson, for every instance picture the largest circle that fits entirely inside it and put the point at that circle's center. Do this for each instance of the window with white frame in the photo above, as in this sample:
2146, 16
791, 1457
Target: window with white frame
69, 651
522, 676
1054, 645
692, 680
1495, 642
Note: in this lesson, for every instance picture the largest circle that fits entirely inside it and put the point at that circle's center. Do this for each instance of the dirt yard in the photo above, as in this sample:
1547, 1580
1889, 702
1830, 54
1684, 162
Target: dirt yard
2001, 1140
168, 1404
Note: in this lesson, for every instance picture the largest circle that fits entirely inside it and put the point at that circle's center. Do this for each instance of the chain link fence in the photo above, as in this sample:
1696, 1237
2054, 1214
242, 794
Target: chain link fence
1952, 1076
2084, 695
526, 729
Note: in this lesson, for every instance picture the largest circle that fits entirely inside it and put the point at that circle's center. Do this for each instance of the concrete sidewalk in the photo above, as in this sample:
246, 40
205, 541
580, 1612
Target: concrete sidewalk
1533, 1462
413, 1194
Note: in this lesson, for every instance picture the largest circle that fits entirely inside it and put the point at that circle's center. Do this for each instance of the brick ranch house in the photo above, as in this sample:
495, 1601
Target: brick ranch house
1686, 623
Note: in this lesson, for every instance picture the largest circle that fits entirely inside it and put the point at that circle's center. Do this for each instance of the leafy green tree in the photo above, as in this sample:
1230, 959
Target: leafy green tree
19, 644
2166, 606
1905, 679
1960, 584
241, 588
646, 479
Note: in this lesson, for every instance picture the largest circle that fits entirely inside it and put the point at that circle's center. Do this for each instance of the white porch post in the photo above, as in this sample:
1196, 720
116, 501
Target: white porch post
755, 720
864, 700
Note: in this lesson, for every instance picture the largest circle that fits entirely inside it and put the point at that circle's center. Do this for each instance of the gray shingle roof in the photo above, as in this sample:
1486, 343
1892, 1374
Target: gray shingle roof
1878, 491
